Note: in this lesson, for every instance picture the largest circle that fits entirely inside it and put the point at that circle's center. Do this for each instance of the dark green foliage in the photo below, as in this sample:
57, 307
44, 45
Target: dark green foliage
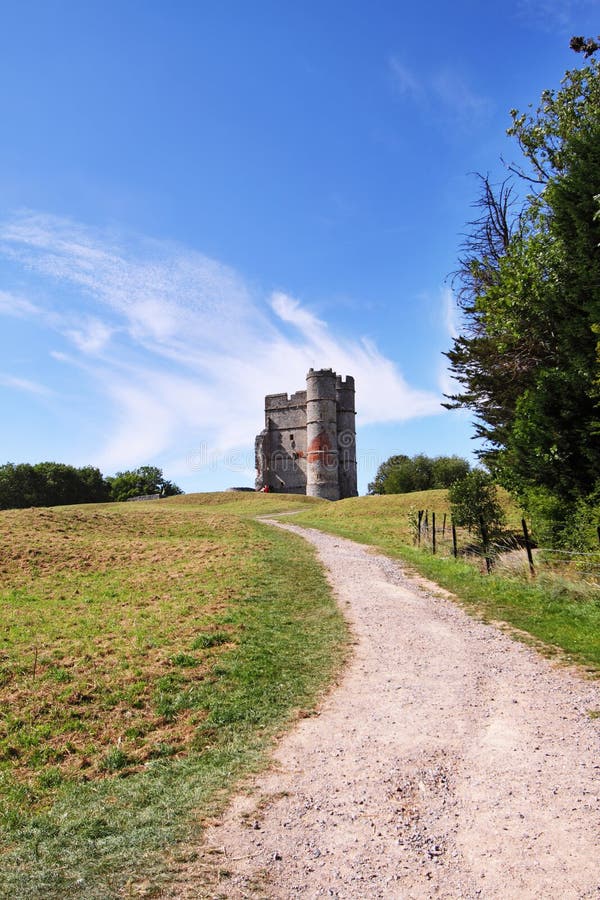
137, 482
529, 286
56, 484
445, 470
572, 526
49, 484
474, 503
385, 472
402, 474
587, 46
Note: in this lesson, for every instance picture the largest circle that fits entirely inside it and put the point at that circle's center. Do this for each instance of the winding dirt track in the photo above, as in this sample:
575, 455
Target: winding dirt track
449, 762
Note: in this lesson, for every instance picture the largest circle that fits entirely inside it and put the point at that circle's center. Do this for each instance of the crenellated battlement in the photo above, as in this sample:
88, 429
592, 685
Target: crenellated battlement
283, 401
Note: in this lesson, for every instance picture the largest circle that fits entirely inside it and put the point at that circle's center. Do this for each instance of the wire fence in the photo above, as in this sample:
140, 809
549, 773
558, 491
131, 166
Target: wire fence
509, 554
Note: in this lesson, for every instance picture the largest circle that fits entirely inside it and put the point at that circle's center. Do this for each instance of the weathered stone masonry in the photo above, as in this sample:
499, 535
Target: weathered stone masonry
308, 444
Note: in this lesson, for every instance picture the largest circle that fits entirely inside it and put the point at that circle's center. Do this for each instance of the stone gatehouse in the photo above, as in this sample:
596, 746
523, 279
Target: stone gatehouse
308, 444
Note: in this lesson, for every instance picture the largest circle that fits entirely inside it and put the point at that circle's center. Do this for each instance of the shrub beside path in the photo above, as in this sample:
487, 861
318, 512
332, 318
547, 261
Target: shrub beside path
450, 761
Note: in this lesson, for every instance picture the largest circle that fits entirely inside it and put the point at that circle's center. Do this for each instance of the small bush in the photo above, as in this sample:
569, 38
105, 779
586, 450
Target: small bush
184, 660
50, 778
474, 500
58, 674
163, 751
115, 760
214, 639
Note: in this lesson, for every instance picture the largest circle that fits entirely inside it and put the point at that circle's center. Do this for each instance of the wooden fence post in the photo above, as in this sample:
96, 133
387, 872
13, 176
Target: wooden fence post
420, 519
444, 525
528, 546
454, 544
433, 532
484, 535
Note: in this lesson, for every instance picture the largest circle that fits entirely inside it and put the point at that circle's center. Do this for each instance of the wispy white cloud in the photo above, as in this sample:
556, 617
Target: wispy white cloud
450, 312
385, 396
444, 91
91, 337
553, 15
404, 81
24, 384
181, 347
455, 94
13, 305
450, 316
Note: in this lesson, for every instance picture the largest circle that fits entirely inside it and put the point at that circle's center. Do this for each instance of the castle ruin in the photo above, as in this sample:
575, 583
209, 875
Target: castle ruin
308, 444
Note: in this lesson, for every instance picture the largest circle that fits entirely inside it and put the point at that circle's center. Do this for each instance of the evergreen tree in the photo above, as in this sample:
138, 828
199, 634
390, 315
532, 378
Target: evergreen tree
529, 287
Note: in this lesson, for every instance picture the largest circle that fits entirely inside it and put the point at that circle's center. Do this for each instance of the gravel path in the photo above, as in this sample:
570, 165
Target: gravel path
449, 762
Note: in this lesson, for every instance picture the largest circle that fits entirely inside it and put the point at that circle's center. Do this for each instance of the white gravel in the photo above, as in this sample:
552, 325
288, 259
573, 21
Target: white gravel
450, 761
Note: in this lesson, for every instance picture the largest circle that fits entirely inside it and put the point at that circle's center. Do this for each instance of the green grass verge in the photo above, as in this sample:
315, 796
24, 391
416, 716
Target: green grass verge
564, 616
151, 654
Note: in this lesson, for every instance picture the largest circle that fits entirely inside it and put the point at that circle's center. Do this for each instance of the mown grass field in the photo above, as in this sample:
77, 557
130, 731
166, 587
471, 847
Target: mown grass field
149, 654
561, 613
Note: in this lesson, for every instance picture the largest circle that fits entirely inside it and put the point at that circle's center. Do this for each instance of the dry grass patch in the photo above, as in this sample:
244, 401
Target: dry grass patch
108, 614
101, 608
149, 654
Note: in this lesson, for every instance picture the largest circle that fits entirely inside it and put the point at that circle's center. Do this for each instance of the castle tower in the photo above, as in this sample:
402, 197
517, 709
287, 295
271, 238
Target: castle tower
308, 444
321, 435
346, 436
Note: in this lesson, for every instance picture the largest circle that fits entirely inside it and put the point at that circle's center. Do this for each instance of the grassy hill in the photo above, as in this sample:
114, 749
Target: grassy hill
384, 519
149, 654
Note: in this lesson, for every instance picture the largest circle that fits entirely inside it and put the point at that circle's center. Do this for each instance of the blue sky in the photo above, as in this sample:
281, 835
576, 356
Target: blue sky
201, 200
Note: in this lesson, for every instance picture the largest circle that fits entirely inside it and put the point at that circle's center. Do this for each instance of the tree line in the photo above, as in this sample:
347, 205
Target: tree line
55, 484
402, 474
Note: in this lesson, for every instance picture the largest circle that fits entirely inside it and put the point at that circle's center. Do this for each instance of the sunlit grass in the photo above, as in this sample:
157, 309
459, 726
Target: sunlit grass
149, 654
